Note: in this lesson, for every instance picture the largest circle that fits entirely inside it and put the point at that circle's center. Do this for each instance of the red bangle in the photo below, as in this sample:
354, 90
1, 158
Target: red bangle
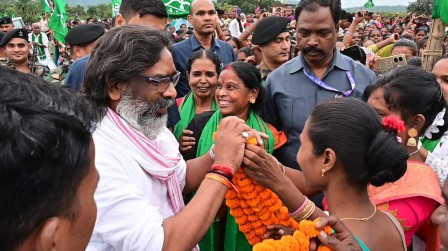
224, 169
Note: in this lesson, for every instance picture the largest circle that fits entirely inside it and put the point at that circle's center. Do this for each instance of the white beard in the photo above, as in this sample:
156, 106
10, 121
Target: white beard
142, 116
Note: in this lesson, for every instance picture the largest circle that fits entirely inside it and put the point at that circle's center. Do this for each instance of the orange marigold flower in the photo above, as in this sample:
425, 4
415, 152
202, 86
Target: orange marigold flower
257, 224
268, 202
233, 203
241, 220
323, 248
265, 194
243, 182
236, 212
248, 211
249, 188
231, 194
265, 214
261, 230
276, 206
254, 202
252, 141
252, 217
245, 228
243, 204
266, 245
259, 188
249, 196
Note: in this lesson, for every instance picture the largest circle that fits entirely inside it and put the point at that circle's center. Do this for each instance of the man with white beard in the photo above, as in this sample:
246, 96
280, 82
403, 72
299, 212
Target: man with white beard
143, 175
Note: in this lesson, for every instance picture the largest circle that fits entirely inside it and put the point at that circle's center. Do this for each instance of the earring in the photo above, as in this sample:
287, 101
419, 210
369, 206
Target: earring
252, 101
412, 133
323, 172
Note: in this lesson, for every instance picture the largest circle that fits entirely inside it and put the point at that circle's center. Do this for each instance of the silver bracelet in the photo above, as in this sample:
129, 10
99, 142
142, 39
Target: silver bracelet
211, 152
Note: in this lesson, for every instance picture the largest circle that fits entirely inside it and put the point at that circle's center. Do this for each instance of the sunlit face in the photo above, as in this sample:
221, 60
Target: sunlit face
384, 31
367, 30
203, 77
277, 50
402, 50
398, 30
316, 35
376, 36
142, 104
17, 50
419, 35
308, 162
422, 49
36, 29
440, 217
356, 38
440, 70
203, 17
232, 95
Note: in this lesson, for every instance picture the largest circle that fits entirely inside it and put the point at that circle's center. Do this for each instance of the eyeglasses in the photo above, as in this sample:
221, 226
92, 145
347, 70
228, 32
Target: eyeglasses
162, 83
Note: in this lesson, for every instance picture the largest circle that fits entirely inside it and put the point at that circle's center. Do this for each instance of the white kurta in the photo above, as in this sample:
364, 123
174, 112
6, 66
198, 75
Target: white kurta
131, 203
48, 60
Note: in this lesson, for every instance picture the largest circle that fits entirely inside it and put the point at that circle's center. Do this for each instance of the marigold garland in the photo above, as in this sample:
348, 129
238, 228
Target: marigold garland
299, 241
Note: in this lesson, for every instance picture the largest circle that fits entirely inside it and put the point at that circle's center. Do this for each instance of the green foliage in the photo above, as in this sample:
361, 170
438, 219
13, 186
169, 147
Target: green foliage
101, 11
380, 9
421, 7
75, 11
29, 10
249, 6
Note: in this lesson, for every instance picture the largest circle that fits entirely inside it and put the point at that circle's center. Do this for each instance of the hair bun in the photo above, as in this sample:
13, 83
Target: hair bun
386, 158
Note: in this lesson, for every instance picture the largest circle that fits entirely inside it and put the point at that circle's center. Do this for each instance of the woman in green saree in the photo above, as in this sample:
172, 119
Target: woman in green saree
239, 93
203, 69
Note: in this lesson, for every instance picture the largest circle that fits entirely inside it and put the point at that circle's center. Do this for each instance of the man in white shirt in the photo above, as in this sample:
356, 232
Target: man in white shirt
143, 175
40, 43
235, 26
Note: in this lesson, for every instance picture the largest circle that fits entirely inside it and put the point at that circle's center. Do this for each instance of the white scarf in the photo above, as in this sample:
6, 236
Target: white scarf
146, 153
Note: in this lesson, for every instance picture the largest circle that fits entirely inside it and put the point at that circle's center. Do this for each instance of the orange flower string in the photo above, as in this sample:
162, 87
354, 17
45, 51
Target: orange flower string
299, 241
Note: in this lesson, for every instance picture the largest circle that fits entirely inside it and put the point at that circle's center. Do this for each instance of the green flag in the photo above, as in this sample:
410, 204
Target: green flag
46, 6
440, 10
115, 7
13, 15
369, 4
58, 21
177, 8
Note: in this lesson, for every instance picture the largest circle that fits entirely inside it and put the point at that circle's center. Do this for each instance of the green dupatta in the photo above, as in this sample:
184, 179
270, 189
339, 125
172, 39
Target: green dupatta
428, 144
187, 112
234, 240
41, 50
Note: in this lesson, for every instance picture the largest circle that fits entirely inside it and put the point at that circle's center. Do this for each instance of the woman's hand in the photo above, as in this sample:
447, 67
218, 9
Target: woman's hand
277, 231
341, 240
230, 140
262, 167
186, 140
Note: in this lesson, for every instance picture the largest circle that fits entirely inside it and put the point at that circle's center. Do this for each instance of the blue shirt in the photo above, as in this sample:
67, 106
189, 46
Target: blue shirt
291, 97
75, 75
182, 52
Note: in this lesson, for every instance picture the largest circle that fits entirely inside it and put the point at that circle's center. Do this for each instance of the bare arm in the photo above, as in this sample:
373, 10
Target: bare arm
246, 33
348, 37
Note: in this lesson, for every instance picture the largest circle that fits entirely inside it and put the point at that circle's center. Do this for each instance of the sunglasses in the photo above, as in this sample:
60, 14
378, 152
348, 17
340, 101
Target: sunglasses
162, 83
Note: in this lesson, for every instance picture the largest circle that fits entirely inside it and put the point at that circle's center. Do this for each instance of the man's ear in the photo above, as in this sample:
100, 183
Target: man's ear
114, 90
119, 20
46, 236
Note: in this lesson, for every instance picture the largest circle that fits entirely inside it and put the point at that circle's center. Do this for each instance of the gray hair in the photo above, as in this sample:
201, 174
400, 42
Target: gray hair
119, 56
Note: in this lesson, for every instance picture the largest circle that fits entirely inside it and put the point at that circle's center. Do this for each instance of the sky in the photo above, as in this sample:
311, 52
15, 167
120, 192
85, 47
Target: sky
357, 3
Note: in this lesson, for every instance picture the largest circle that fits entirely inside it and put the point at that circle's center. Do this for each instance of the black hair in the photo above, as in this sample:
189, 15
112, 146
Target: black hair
406, 43
415, 61
421, 42
251, 78
311, 5
411, 91
205, 54
246, 50
353, 130
120, 55
236, 40
45, 137
130, 8
220, 12
420, 29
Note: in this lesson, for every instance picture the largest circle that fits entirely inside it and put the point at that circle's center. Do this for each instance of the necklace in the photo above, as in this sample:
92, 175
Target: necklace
414, 152
361, 219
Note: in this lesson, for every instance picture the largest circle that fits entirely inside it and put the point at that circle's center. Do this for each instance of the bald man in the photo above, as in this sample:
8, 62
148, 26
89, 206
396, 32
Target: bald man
202, 17
40, 43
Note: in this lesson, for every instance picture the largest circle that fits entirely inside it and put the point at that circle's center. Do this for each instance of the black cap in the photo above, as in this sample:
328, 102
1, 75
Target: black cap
84, 34
269, 28
5, 20
16, 33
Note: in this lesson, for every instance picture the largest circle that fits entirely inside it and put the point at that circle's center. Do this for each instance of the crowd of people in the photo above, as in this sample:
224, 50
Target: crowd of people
129, 135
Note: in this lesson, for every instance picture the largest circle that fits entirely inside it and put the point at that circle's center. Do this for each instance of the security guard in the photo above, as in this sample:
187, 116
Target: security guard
6, 24
17, 49
3, 58
79, 43
273, 38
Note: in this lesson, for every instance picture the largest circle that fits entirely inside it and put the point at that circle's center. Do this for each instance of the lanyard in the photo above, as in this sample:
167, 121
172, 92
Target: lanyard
329, 88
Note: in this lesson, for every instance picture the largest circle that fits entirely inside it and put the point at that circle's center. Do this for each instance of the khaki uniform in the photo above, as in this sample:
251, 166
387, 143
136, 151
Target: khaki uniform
58, 75
39, 69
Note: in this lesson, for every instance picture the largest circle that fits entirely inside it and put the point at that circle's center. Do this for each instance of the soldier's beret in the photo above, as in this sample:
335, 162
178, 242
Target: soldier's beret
5, 20
84, 34
269, 28
16, 33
